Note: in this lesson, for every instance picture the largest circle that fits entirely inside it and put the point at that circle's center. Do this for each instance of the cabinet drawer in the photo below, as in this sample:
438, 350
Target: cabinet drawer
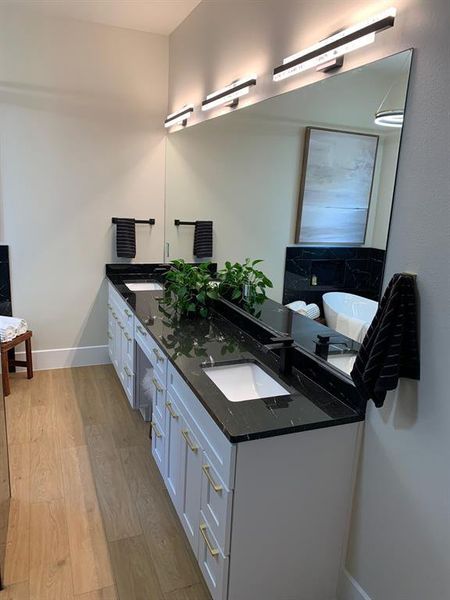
213, 564
159, 401
152, 350
158, 446
220, 451
216, 504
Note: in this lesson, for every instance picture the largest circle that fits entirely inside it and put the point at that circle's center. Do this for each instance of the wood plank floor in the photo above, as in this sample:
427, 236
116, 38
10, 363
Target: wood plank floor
90, 518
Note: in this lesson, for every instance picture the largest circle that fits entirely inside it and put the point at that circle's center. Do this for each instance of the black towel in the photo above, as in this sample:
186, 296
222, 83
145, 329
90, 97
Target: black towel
203, 239
390, 349
126, 238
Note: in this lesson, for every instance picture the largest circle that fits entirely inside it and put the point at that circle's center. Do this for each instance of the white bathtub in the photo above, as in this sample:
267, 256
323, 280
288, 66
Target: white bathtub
349, 314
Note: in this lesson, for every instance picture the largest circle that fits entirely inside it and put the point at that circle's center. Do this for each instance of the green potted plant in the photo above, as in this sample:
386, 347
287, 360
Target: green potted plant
243, 283
188, 288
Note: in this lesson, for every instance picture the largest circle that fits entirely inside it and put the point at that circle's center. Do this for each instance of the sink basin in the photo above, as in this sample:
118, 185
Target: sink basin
343, 362
244, 381
144, 287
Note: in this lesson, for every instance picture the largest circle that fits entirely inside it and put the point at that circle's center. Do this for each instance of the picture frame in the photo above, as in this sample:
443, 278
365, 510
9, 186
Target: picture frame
336, 187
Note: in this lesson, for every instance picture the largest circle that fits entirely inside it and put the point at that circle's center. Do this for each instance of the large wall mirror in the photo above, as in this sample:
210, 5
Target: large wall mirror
304, 181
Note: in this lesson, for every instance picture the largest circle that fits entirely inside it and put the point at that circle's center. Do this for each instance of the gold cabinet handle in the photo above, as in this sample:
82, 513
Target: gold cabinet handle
127, 336
120, 325
157, 386
185, 434
215, 486
158, 355
127, 312
110, 337
109, 306
212, 551
114, 315
127, 371
171, 411
155, 429
141, 330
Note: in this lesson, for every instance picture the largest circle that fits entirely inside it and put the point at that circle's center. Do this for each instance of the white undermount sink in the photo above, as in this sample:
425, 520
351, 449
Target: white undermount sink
244, 381
144, 287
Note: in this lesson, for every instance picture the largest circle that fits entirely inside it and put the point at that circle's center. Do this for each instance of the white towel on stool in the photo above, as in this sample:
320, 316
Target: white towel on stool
297, 305
10, 328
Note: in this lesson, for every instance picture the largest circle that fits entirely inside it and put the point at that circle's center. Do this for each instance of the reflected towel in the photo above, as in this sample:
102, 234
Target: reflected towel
203, 239
390, 349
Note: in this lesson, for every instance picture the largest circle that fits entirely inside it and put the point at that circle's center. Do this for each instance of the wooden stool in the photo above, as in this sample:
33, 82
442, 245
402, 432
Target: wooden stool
7, 362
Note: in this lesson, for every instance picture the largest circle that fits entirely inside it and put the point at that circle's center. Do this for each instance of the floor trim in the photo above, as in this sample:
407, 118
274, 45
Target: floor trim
63, 358
349, 588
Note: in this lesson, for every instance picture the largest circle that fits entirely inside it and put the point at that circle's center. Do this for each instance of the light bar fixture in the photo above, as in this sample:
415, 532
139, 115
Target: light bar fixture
229, 94
180, 117
331, 48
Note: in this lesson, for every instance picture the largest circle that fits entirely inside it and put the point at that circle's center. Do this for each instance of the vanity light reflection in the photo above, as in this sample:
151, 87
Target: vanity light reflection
230, 93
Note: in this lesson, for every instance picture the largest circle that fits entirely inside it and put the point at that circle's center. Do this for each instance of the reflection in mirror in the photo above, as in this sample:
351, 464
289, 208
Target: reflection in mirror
304, 181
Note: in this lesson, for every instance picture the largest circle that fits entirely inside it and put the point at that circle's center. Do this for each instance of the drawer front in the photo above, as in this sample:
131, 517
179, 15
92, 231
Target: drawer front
213, 564
190, 489
220, 451
216, 504
158, 446
159, 362
128, 348
159, 401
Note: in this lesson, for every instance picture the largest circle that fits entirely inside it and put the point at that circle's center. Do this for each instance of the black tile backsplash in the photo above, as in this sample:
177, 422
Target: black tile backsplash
350, 269
5, 283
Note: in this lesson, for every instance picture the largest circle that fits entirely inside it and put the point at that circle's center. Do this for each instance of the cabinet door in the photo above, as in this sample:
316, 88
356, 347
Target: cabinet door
127, 349
191, 480
174, 440
159, 401
158, 446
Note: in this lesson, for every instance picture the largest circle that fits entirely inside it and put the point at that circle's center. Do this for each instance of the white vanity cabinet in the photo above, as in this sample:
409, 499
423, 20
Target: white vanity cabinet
266, 518
121, 341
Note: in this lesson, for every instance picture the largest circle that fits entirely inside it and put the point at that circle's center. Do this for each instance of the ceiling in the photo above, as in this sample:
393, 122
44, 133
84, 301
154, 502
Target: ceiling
153, 16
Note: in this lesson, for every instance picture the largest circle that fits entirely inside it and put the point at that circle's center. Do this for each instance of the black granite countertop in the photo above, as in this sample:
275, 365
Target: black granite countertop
193, 343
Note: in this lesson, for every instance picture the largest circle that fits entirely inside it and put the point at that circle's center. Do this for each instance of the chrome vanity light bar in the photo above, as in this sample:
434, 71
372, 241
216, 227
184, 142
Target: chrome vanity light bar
229, 94
180, 117
335, 46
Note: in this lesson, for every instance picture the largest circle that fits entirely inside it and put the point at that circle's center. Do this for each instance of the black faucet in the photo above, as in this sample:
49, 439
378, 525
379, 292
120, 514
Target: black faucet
285, 344
323, 344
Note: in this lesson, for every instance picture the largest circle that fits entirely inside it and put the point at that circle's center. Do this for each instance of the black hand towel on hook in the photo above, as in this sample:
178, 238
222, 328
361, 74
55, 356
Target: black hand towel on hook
126, 238
203, 239
390, 349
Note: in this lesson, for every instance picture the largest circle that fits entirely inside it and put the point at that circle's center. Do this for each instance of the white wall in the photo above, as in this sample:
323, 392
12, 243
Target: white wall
81, 140
400, 533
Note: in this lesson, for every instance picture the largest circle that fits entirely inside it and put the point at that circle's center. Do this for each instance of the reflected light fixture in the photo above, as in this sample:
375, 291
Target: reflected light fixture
389, 118
328, 52
180, 117
230, 94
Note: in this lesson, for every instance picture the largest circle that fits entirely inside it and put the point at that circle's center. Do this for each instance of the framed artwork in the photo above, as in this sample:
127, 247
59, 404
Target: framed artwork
336, 186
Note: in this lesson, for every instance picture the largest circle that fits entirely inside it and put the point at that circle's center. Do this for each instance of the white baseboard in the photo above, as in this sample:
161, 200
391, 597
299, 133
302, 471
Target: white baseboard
349, 588
62, 358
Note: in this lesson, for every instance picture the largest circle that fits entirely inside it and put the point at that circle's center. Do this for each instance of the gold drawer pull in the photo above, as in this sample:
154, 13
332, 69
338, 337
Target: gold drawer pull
157, 353
185, 434
171, 411
127, 336
109, 306
216, 487
157, 386
110, 337
155, 429
120, 325
127, 371
139, 328
212, 551
114, 315
127, 312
